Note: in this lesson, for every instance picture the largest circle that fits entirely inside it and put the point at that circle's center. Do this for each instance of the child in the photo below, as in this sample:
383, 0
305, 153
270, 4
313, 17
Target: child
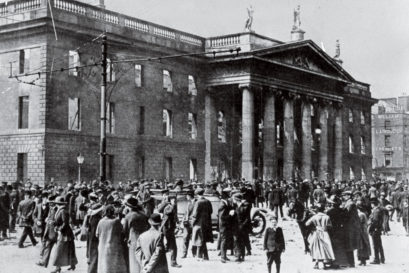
274, 243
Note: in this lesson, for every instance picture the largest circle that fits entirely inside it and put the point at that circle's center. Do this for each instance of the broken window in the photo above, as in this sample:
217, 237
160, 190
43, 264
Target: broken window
167, 122
192, 125
167, 81
73, 61
192, 86
74, 114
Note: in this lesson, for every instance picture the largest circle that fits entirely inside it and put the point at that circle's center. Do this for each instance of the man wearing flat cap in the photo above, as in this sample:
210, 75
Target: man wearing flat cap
202, 224
375, 229
242, 226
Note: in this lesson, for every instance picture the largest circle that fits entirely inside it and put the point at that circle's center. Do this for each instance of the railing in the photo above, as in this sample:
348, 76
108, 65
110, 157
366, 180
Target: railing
225, 41
82, 9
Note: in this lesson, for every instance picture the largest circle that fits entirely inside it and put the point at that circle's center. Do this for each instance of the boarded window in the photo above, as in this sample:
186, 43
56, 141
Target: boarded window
73, 61
110, 126
138, 75
167, 122
23, 106
192, 86
193, 169
22, 167
221, 127
167, 81
74, 114
192, 125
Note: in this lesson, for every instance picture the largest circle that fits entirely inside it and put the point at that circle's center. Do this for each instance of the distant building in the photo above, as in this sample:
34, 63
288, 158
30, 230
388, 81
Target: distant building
390, 138
273, 110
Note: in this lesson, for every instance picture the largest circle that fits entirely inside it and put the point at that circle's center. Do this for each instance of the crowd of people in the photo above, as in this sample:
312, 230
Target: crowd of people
127, 230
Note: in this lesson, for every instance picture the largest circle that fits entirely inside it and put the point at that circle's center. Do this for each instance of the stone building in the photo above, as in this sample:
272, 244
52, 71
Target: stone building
273, 109
390, 138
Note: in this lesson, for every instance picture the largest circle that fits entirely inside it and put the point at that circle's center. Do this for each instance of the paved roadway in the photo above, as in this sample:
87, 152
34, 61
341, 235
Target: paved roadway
396, 246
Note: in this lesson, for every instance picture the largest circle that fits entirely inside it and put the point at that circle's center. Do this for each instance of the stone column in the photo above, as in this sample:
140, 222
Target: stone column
306, 140
210, 116
247, 122
338, 144
323, 161
288, 153
269, 139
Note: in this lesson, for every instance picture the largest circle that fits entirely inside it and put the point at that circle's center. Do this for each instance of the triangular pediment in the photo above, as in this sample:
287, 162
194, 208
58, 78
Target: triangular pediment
305, 55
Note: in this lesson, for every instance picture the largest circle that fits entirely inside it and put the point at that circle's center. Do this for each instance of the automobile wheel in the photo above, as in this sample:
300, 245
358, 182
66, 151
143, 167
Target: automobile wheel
258, 223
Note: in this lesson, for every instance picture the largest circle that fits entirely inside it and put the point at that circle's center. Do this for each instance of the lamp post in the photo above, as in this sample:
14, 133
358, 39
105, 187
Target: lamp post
80, 160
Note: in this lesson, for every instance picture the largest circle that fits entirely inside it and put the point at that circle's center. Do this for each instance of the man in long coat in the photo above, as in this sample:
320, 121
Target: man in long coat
225, 218
4, 213
135, 223
242, 226
187, 225
50, 235
276, 199
150, 251
25, 210
352, 228
375, 229
202, 224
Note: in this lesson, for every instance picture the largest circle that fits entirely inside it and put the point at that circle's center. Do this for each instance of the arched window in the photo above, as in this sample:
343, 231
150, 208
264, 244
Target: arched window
221, 127
362, 118
351, 145
363, 146
363, 175
167, 123
351, 173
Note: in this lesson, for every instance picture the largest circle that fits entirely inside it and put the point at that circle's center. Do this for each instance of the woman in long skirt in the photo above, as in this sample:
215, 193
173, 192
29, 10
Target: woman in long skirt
320, 243
63, 253
111, 254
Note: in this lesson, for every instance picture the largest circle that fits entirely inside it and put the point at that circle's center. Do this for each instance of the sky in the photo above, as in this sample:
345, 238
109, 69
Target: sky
374, 34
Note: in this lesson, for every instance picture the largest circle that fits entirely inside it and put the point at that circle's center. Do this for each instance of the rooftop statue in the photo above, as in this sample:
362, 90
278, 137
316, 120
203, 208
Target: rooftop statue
297, 18
249, 21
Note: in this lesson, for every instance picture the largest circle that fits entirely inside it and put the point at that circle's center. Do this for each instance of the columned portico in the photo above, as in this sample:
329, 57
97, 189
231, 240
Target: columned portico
288, 152
269, 138
306, 140
323, 161
247, 146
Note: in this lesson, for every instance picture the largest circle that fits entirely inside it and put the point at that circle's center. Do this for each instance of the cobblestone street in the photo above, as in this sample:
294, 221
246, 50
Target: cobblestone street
396, 246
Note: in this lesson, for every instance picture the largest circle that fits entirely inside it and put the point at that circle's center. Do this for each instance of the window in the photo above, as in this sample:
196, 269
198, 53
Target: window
141, 129
22, 167
388, 160
73, 61
138, 75
141, 167
167, 123
351, 173
387, 141
74, 114
221, 127
192, 86
362, 118
193, 169
24, 61
363, 150
110, 71
312, 110
351, 145
381, 109
363, 175
388, 125
260, 131
23, 105
350, 116
110, 126
167, 171
192, 125
109, 167
167, 81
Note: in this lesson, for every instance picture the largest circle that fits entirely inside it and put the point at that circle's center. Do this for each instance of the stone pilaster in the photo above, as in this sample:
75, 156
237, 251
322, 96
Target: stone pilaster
288, 153
323, 160
247, 146
306, 140
269, 139
338, 144
210, 117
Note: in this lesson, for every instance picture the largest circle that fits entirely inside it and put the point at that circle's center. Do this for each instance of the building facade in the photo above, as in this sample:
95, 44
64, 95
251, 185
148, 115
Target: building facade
178, 105
390, 135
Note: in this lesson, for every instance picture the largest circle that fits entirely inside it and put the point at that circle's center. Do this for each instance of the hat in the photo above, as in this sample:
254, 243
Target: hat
155, 219
334, 200
199, 191
346, 193
374, 201
59, 200
132, 203
238, 196
383, 193
135, 189
357, 193
96, 208
191, 193
93, 196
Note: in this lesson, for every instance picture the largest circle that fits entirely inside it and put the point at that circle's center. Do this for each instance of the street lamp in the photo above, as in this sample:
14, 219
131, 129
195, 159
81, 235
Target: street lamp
80, 160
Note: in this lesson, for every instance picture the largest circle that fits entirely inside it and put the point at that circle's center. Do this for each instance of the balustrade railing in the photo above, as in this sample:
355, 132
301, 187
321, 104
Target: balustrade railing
225, 41
26, 5
70, 6
136, 25
3, 9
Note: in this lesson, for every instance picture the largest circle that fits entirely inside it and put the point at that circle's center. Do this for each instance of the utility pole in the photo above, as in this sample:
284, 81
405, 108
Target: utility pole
103, 143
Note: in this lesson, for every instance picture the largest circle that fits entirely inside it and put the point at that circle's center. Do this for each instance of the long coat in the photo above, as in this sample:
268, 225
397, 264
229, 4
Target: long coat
39, 215
338, 220
202, 222
91, 222
63, 253
135, 223
150, 252
364, 247
4, 211
111, 256
353, 226
320, 243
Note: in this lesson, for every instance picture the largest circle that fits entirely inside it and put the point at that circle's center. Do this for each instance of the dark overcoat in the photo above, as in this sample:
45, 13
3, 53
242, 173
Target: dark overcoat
25, 210
202, 222
352, 227
4, 211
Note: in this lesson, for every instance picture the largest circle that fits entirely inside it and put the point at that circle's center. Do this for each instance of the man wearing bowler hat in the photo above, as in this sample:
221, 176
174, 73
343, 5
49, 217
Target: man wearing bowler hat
150, 251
